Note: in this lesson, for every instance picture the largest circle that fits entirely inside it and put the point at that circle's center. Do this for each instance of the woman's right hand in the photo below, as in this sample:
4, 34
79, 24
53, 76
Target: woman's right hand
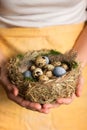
12, 90
12, 94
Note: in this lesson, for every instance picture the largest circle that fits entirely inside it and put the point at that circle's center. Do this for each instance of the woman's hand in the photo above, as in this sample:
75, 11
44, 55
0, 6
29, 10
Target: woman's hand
77, 93
12, 90
12, 93
61, 101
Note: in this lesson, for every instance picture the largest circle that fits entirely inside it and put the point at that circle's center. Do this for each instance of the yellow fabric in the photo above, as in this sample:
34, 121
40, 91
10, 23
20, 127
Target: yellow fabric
15, 117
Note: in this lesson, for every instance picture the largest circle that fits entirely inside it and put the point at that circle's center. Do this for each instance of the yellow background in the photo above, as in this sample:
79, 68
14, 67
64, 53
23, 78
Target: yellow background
66, 117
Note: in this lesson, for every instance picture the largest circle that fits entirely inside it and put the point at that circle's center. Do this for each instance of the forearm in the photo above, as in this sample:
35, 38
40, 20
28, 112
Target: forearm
2, 61
81, 47
2, 57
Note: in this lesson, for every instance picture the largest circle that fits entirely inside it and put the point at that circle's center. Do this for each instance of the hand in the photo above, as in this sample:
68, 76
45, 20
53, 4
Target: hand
77, 93
61, 101
12, 93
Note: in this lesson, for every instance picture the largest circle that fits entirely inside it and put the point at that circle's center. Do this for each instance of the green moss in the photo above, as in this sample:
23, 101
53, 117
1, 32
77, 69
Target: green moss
74, 64
54, 52
30, 79
20, 56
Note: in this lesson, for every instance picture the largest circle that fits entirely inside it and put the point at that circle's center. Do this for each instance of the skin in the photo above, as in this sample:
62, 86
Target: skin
12, 92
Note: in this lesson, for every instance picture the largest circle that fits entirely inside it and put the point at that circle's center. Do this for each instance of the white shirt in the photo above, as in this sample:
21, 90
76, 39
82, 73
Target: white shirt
38, 13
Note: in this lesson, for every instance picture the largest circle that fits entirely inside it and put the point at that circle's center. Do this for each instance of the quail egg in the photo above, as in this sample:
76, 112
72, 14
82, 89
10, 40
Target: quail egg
65, 66
59, 71
41, 61
49, 67
56, 63
43, 78
49, 74
27, 74
32, 67
37, 72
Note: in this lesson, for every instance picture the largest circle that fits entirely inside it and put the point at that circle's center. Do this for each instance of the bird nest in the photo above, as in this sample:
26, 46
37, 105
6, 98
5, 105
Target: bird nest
43, 76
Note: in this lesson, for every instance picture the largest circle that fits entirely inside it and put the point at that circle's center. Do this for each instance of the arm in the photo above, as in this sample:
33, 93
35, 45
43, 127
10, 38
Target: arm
81, 47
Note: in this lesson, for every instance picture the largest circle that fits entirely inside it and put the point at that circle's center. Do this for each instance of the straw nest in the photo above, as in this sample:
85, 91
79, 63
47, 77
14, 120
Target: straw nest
44, 86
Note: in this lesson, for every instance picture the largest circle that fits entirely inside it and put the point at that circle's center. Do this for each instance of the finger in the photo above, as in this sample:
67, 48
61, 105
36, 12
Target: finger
24, 103
45, 111
17, 99
66, 100
34, 106
48, 106
41, 110
79, 86
9, 87
13, 89
5, 81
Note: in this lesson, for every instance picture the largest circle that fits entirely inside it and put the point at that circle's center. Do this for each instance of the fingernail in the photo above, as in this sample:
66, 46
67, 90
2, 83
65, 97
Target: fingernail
15, 91
39, 107
46, 111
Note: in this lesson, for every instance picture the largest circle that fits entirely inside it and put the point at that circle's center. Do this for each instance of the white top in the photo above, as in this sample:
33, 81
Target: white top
38, 13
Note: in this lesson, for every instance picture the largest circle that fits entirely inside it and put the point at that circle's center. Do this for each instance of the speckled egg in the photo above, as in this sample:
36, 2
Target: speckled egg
37, 72
65, 66
49, 74
59, 71
32, 67
56, 63
49, 67
43, 78
27, 74
41, 61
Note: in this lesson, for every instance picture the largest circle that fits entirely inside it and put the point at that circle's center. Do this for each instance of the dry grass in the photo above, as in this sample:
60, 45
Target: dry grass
48, 91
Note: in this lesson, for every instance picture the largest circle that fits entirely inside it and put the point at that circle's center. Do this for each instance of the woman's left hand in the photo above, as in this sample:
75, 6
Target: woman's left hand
61, 101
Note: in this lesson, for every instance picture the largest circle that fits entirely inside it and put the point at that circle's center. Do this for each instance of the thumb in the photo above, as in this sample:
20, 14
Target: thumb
8, 86
13, 89
5, 82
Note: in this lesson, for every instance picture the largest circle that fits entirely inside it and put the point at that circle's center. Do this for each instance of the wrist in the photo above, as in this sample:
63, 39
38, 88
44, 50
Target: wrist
80, 57
2, 59
81, 60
